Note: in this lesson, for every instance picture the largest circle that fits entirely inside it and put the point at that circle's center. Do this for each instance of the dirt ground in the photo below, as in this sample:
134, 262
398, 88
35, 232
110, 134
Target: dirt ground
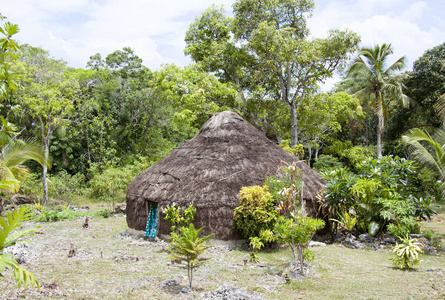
109, 265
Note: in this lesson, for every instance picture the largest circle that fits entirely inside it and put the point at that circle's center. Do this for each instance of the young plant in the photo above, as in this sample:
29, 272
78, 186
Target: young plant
256, 243
346, 221
406, 253
296, 232
10, 237
188, 246
179, 218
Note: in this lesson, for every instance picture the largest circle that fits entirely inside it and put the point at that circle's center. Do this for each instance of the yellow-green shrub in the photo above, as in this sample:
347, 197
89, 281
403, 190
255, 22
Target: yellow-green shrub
256, 211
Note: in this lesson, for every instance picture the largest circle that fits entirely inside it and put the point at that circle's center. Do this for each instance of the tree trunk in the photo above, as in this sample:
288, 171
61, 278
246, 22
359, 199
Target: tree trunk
294, 124
310, 156
316, 152
379, 128
65, 158
301, 258
45, 172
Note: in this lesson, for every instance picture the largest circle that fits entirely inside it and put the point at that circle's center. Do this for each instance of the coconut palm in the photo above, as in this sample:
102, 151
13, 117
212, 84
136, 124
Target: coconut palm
377, 83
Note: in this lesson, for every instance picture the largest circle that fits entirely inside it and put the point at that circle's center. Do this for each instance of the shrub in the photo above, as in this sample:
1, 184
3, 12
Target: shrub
65, 185
405, 226
296, 150
55, 215
324, 162
406, 253
179, 218
256, 211
382, 193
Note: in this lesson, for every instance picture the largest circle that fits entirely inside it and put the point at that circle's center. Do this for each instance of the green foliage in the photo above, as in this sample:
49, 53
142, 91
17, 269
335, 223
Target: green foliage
406, 253
14, 155
65, 185
234, 50
346, 221
31, 185
8, 49
404, 226
426, 85
256, 211
348, 153
187, 246
383, 194
9, 236
424, 207
433, 238
179, 218
296, 150
323, 116
47, 215
296, 232
110, 183
256, 243
325, 162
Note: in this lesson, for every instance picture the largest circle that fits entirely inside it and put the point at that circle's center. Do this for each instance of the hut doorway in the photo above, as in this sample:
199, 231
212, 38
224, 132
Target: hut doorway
152, 220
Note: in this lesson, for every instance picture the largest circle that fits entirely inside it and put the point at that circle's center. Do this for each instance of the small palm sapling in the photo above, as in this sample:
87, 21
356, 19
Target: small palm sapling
187, 246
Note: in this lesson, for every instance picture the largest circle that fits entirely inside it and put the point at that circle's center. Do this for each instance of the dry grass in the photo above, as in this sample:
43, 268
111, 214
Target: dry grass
112, 267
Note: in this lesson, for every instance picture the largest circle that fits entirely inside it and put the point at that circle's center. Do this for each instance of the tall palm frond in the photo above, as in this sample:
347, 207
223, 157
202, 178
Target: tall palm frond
433, 156
14, 155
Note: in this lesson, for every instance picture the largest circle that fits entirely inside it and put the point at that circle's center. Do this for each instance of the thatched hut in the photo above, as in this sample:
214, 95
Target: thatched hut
209, 171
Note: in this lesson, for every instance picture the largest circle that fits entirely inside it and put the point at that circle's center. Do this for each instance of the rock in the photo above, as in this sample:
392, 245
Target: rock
426, 246
351, 243
82, 209
365, 238
120, 208
389, 240
415, 236
21, 199
230, 292
19, 251
73, 251
315, 244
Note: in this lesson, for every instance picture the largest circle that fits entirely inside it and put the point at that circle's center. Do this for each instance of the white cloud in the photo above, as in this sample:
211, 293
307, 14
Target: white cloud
76, 29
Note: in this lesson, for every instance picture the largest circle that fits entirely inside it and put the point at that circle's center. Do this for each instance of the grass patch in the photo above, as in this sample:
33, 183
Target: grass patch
108, 266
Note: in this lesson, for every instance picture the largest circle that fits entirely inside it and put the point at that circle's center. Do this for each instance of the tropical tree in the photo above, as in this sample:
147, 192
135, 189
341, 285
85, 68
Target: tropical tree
377, 84
265, 53
49, 96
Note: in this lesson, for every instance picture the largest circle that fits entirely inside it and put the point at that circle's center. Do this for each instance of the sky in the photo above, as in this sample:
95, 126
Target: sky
74, 30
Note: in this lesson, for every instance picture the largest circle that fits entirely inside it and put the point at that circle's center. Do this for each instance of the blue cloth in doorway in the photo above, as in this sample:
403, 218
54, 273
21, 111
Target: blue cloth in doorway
152, 221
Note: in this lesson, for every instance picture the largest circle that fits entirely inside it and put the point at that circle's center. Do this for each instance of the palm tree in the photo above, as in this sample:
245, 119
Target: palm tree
432, 157
377, 83
12, 158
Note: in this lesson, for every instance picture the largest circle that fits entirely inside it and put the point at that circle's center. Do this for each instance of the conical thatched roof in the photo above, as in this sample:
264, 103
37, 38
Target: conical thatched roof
209, 170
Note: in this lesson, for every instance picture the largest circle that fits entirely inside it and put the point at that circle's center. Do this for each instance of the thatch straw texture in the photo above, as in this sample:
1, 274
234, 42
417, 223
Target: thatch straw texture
209, 170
